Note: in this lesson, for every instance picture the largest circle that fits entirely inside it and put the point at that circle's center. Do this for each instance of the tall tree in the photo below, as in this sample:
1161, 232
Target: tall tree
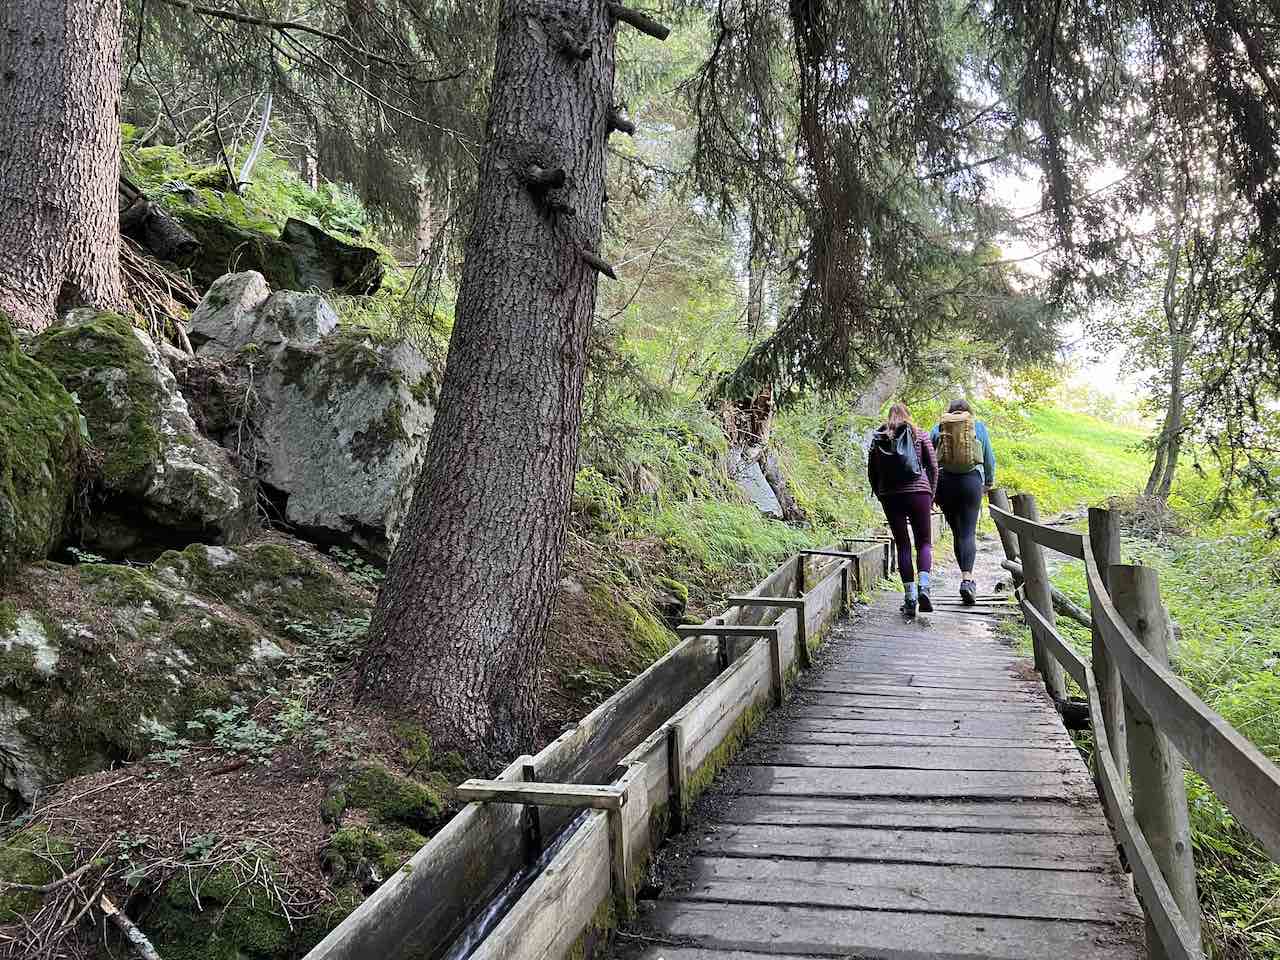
59, 157
459, 628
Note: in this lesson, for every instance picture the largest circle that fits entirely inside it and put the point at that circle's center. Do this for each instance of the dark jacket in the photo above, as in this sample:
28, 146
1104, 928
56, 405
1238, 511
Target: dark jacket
927, 482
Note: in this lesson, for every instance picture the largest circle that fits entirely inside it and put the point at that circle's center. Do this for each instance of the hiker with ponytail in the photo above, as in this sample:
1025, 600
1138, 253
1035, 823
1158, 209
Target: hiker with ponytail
968, 467
903, 472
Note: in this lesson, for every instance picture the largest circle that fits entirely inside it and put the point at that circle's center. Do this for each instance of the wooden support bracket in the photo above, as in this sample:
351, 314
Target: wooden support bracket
676, 775
543, 794
791, 603
736, 630
532, 819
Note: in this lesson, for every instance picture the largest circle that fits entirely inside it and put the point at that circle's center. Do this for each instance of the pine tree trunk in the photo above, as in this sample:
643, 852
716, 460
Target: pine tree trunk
458, 633
59, 157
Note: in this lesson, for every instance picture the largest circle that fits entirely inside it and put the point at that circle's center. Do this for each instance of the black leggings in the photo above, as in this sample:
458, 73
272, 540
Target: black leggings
960, 497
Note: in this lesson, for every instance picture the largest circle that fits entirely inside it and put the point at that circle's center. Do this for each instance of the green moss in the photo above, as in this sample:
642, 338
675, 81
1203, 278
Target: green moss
228, 922
391, 797
39, 456
99, 359
353, 851
25, 858
380, 435
645, 636
678, 589
8, 617
723, 755
275, 585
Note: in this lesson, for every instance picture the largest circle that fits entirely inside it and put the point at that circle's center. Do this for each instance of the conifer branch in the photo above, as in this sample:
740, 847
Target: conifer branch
633, 18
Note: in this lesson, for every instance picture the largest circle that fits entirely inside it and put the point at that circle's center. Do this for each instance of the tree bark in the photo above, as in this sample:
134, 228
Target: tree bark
59, 157
458, 632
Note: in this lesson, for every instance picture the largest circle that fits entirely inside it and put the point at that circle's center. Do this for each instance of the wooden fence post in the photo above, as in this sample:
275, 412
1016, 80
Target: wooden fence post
1000, 500
1040, 595
800, 586
1159, 789
1104, 541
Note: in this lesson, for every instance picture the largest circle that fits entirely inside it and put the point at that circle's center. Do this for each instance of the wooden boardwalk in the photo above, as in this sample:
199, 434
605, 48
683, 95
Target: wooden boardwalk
918, 798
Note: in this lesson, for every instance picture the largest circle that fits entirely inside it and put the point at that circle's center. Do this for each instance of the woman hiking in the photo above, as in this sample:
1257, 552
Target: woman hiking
968, 467
903, 472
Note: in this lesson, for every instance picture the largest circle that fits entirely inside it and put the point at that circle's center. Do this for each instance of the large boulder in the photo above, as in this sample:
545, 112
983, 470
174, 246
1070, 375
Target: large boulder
158, 479
98, 661
327, 262
40, 453
339, 421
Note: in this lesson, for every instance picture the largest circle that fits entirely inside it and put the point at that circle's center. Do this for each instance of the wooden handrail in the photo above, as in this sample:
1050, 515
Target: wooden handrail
1247, 782
1063, 541
1238, 771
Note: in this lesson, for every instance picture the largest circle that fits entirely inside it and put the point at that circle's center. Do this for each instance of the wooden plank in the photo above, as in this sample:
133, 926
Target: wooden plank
914, 757
1246, 781
834, 782
851, 719
1036, 817
978, 680
579, 796
1027, 693
987, 891
877, 935
817, 737
551, 915
958, 705
1054, 538
1091, 853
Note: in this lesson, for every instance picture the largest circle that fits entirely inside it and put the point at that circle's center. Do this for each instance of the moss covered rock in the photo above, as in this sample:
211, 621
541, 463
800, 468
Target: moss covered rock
95, 659
39, 456
340, 421
158, 479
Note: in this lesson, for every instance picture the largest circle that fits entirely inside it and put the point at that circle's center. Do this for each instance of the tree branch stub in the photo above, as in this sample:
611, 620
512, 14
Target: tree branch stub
641, 22
572, 47
599, 265
621, 124
540, 179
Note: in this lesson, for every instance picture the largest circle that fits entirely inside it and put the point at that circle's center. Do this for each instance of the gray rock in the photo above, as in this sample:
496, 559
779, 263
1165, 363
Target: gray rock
240, 310
159, 479
343, 429
325, 262
751, 480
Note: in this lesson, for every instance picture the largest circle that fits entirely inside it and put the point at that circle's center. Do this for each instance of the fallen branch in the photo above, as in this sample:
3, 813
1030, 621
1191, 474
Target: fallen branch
135, 936
53, 885
1061, 602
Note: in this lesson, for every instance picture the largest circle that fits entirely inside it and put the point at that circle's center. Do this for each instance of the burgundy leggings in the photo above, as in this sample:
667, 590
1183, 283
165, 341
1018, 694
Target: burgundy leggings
910, 513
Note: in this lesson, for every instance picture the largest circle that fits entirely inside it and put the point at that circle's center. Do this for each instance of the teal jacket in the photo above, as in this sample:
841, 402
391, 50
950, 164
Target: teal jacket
988, 464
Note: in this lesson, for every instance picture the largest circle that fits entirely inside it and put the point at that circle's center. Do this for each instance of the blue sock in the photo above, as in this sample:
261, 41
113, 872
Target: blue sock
924, 580
911, 591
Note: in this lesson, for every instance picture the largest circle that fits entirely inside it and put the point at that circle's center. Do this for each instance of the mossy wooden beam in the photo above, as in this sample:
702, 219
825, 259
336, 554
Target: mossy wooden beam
543, 794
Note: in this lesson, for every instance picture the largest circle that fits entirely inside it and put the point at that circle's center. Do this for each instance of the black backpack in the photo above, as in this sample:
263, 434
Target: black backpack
899, 460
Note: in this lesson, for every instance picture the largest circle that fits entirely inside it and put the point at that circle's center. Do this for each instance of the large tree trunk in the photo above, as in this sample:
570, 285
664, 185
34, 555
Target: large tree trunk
59, 157
458, 633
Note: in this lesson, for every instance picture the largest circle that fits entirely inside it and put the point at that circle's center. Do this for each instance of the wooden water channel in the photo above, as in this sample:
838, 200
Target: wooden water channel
917, 797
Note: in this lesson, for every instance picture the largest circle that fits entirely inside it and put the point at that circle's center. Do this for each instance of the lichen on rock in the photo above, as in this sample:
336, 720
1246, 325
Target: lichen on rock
94, 659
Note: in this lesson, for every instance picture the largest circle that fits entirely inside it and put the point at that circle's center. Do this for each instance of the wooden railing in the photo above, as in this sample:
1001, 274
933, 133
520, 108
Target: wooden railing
578, 822
1145, 720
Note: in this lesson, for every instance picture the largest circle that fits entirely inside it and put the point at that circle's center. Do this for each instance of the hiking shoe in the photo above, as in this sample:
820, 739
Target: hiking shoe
909, 609
926, 605
969, 592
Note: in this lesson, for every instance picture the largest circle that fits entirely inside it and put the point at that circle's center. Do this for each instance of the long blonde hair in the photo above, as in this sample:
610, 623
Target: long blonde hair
898, 415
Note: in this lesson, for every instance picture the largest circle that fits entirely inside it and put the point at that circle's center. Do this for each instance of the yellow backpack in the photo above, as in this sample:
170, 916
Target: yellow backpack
958, 447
